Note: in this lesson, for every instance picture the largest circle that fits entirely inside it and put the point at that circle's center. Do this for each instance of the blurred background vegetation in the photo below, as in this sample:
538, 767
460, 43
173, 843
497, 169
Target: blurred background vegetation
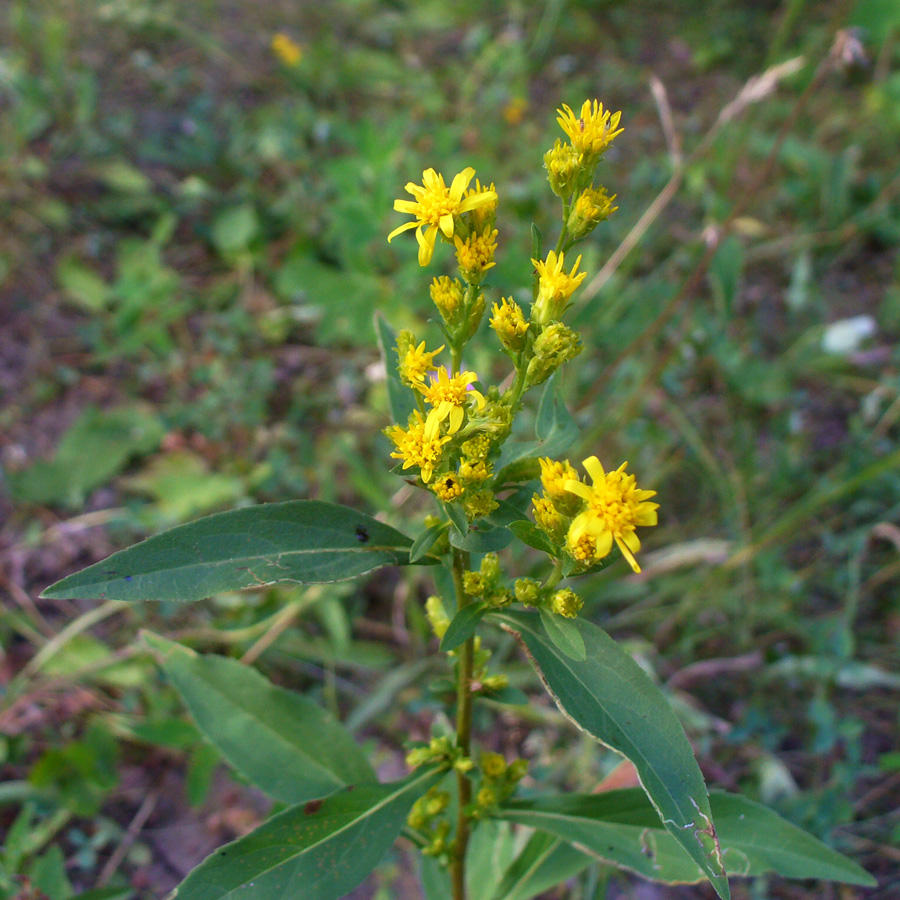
193, 246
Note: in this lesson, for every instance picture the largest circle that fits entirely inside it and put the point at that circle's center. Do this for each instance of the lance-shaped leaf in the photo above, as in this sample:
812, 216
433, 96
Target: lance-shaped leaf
462, 626
318, 850
622, 827
285, 744
545, 861
300, 541
609, 696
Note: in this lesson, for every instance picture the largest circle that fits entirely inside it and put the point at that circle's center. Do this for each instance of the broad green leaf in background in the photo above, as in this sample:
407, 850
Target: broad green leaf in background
305, 541
462, 626
480, 539
319, 850
545, 861
623, 828
610, 697
94, 449
400, 397
285, 744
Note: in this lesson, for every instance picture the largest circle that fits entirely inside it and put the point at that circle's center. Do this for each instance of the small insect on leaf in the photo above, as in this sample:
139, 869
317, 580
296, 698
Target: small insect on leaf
362, 535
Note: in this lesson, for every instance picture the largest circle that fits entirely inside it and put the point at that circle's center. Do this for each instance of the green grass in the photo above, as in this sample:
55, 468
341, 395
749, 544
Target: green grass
194, 247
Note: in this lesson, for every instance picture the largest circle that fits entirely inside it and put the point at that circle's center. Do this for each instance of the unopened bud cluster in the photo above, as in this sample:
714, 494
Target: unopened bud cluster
498, 782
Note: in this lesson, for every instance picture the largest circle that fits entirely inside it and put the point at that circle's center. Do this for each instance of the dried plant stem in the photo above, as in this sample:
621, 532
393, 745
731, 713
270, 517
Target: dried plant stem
463, 735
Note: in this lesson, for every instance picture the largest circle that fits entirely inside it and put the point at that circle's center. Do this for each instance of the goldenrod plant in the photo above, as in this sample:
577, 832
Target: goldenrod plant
460, 440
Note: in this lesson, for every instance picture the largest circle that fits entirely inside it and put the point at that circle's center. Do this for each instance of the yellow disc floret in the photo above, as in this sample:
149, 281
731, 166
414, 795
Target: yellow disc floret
615, 506
436, 207
447, 487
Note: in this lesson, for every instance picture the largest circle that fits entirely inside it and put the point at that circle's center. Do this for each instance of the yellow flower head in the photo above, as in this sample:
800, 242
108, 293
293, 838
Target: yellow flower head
592, 131
447, 487
475, 254
420, 444
475, 472
554, 477
509, 323
548, 518
555, 287
287, 50
593, 206
447, 295
565, 602
416, 363
435, 208
449, 395
563, 165
614, 508
483, 216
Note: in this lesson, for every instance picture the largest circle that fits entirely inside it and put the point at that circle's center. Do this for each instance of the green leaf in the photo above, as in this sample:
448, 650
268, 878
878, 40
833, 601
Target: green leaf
400, 397
528, 533
537, 242
297, 751
480, 539
234, 229
95, 448
457, 516
610, 697
565, 635
545, 861
623, 828
305, 541
462, 626
425, 541
319, 850
82, 284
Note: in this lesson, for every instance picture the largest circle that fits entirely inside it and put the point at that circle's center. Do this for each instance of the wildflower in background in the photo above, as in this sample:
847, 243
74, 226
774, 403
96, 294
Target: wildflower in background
592, 131
416, 363
436, 207
555, 287
509, 323
615, 507
514, 111
420, 444
591, 208
288, 51
449, 395
475, 254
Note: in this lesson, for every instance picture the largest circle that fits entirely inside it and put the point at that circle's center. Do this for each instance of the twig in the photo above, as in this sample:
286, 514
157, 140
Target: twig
134, 829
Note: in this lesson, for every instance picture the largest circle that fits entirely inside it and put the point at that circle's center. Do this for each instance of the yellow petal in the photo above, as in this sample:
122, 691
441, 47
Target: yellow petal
447, 224
576, 487
476, 200
604, 542
456, 419
460, 183
426, 244
628, 555
407, 206
594, 468
401, 229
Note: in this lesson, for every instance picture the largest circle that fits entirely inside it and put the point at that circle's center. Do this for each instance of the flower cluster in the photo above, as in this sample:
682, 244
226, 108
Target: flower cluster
453, 437
587, 519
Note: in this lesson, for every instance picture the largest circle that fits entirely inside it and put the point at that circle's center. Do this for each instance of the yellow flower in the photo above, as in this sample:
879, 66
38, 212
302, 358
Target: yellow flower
474, 472
509, 323
615, 507
592, 207
555, 287
435, 208
555, 475
484, 215
447, 295
448, 396
563, 165
475, 254
592, 131
565, 602
418, 445
447, 487
416, 363
287, 50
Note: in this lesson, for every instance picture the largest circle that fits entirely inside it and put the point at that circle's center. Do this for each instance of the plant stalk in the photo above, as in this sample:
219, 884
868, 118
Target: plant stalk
463, 734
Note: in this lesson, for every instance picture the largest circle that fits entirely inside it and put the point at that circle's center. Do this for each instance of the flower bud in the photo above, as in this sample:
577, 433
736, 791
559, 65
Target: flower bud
563, 165
509, 323
565, 602
556, 344
593, 206
528, 591
447, 295
437, 616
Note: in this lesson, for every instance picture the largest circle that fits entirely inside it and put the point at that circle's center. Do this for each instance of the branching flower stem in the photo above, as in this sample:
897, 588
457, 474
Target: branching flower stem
463, 734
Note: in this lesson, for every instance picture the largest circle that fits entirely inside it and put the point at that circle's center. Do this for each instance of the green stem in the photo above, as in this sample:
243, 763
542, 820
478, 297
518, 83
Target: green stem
554, 578
463, 734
